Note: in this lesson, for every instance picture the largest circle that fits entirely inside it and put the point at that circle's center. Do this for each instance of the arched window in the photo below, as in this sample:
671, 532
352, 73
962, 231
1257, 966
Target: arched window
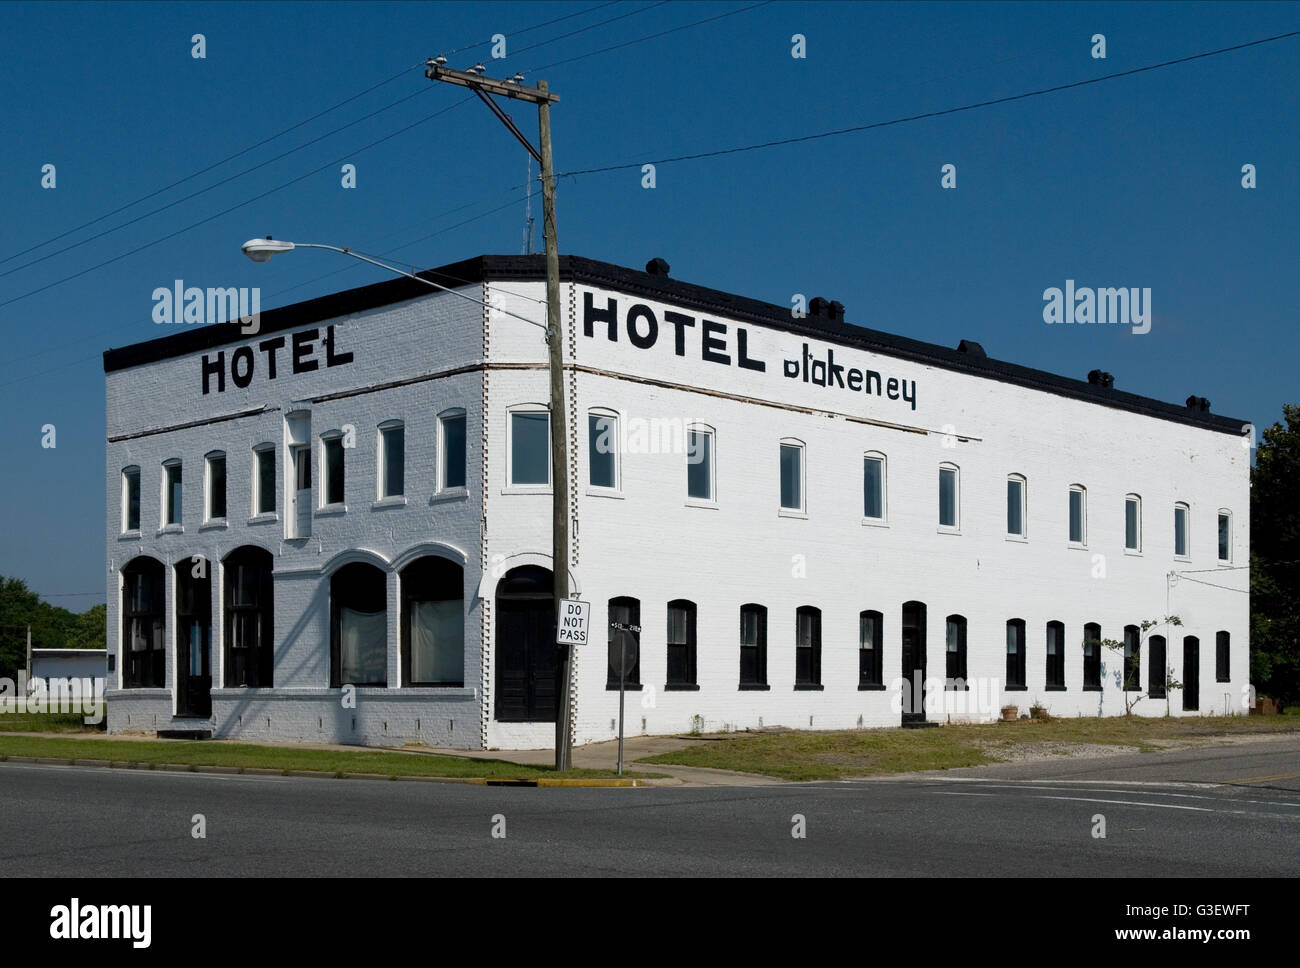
602, 449
955, 642
870, 649
1017, 505
143, 605
214, 484
700, 464
433, 623
263, 479
792, 474
625, 612
1132, 658
808, 648
1225, 536
681, 645
1055, 655
874, 481
1016, 654
1132, 523
1157, 667
1092, 656
249, 618
172, 492
391, 460
131, 498
949, 497
1078, 514
753, 647
332, 492
1182, 531
359, 626
1222, 650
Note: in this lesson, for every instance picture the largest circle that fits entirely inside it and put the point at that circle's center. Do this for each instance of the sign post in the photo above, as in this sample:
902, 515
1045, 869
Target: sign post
623, 647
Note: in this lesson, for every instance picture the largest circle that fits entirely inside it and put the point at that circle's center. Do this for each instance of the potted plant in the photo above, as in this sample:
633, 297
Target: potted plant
1010, 713
1038, 710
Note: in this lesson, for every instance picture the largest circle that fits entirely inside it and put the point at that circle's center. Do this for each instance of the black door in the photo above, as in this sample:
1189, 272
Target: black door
193, 640
913, 662
526, 653
1191, 673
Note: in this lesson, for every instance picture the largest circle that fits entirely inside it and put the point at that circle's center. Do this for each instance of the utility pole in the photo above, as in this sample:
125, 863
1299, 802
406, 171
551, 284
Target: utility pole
436, 70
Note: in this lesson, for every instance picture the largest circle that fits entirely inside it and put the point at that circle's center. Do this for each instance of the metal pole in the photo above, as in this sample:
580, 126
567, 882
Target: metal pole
559, 426
622, 682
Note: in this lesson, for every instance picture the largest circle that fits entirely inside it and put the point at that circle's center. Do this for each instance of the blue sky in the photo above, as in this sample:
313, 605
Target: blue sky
1132, 182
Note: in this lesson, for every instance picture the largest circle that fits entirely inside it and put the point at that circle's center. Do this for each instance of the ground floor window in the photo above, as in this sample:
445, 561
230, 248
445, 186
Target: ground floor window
433, 623
359, 626
753, 646
681, 643
142, 624
249, 603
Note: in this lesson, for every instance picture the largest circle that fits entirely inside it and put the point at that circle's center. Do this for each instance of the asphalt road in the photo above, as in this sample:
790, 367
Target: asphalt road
79, 822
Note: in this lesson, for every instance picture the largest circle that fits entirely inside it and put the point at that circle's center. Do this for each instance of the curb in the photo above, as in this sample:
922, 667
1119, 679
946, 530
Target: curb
329, 775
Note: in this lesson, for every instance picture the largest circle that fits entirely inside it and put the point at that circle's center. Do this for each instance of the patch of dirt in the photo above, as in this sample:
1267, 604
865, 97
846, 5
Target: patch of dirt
1027, 753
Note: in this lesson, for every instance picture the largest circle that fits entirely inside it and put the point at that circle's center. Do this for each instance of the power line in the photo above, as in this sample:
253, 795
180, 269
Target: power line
1244, 591
583, 30
934, 114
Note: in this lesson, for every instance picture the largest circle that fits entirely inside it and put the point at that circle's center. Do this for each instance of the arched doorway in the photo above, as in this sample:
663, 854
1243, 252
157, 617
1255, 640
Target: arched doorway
526, 666
193, 638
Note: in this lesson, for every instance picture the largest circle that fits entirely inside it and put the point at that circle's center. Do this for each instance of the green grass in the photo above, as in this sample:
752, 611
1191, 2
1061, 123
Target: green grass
45, 723
217, 753
834, 755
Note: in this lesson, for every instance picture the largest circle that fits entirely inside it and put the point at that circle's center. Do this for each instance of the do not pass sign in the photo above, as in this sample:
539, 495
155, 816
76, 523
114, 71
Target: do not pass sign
573, 622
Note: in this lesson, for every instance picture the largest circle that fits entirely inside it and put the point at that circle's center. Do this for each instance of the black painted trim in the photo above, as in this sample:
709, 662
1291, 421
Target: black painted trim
872, 687
636, 283
754, 687
1055, 689
808, 687
1015, 688
627, 687
681, 687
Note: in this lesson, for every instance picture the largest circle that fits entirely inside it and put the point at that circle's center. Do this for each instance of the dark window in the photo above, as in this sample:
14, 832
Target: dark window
265, 480
1191, 673
753, 645
1180, 530
1157, 667
808, 646
173, 493
1016, 654
870, 647
602, 441
359, 626
302, 468
1077, 512
625, 611
193, 638
948, 497
394, 467
1132, 658
1092, 656
249, 621
1221, 655
955, 650
131, 499
1225, 537
216, 486
873, 487
333, 470
142, 624
530, 448
1015, 506
791, 477
1132, 524
681, 643
453, 451
1055, 655
699, 465
433, 623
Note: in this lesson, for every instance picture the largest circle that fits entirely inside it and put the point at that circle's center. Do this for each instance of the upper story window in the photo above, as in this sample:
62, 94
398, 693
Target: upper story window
131, 498
753, 646
332, 463
215, 482
873, 487
171, 492
264, 479
392, 459
1016, 505
530, 448
1055, 655
955, 642
1078, 515
792, 475
602, 449
699, 464
451, 450
1132, 523
1225, 536
870, 648
949, 496
1016, 653
808, 646
1182, 527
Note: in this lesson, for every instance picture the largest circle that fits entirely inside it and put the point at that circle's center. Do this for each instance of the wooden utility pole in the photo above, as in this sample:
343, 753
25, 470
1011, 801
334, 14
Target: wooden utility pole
542, 97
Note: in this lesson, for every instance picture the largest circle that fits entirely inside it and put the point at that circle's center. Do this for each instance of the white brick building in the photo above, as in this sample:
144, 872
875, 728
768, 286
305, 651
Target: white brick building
797, 512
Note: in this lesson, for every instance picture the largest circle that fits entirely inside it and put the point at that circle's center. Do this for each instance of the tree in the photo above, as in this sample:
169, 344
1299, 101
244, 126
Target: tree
1275, 560
52, 627
1126, 676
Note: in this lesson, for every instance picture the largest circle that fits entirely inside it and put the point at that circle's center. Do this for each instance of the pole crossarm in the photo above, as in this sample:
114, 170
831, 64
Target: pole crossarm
436, 72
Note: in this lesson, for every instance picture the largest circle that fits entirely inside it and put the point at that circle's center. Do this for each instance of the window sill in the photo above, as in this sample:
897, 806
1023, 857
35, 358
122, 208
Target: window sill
627, 687
171, 529
1054, 689
396, 501
791, 513
875, 523
216, 524
331, 511
450, 494
1092, 688
694, 502
1076, 546
1018, 538
946, 530
871, 687
433, 685
1186, 558
681, 687
129, 536
1133, 552
808, 687
610, 492
526, 489
1015, 688
754, 687
266, 517
1225, 563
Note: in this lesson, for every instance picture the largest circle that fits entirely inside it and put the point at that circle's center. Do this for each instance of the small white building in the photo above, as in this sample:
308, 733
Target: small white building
67, 664
338, 528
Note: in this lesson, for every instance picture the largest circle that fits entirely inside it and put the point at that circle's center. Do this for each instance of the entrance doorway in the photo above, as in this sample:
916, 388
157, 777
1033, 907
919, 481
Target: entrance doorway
193, 639
1191, 673
913, 662
526, 653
